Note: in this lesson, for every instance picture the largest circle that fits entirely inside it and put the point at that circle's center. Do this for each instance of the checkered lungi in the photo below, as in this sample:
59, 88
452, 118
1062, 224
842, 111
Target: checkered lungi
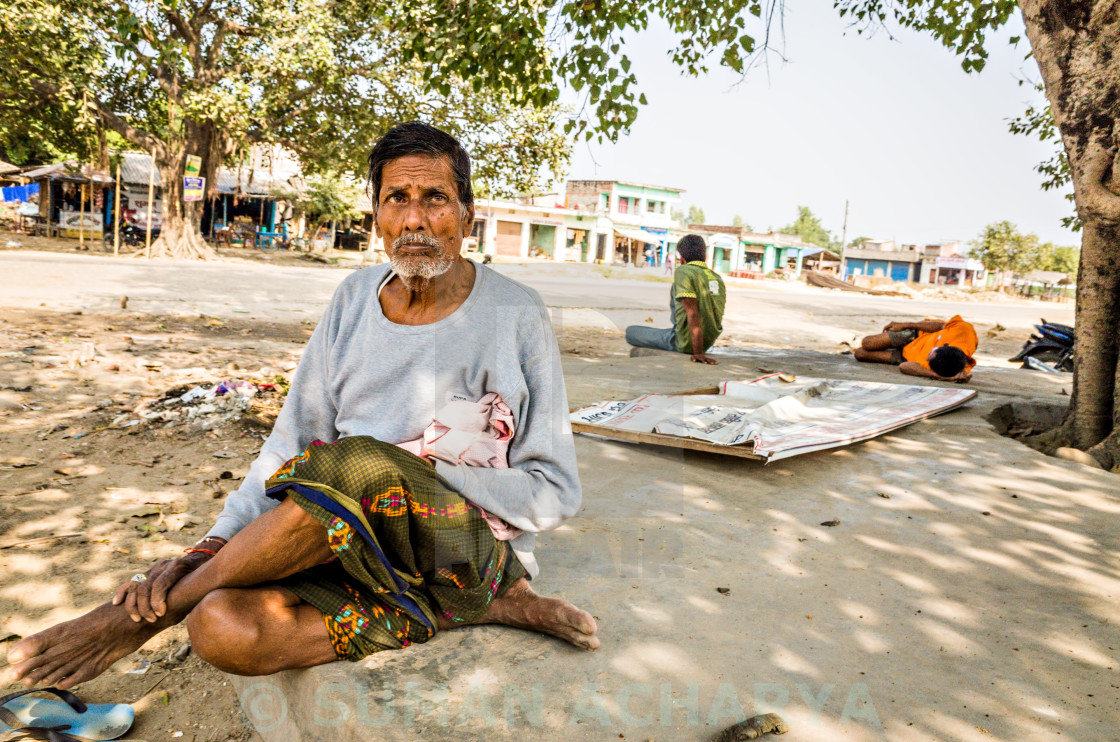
407, 547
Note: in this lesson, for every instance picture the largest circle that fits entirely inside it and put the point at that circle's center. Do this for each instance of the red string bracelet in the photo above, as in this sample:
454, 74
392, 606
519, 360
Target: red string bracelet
204, 551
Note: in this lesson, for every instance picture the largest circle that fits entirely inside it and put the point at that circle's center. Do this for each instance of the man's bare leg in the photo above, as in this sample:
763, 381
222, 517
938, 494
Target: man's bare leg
281, 542
878, 341
522, 608
274, 634
259, 631
874, 349
263, 630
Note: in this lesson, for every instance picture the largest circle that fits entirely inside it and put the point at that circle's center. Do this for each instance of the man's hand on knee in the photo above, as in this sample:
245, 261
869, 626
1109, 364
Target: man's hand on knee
146, 599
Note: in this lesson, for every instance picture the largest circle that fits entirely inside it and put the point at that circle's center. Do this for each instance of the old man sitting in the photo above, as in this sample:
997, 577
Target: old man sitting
340, 543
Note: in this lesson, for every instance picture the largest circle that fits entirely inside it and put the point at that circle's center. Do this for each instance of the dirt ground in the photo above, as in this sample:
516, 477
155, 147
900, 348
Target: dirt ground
92, 492
99, 478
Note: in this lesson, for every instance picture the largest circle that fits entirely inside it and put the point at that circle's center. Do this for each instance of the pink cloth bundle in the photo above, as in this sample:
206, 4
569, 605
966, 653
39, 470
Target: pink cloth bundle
474, 434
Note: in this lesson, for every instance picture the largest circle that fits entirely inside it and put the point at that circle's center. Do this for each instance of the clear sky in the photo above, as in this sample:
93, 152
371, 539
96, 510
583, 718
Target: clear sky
894, 125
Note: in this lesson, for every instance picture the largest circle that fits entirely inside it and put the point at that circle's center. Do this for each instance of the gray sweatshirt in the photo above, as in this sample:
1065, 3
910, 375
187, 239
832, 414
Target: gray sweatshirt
362, 374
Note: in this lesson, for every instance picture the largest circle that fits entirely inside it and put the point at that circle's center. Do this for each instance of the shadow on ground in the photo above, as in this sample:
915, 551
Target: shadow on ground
967, 593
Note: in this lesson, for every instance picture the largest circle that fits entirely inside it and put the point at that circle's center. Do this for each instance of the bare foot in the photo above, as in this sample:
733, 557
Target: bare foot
78, 650
524, 609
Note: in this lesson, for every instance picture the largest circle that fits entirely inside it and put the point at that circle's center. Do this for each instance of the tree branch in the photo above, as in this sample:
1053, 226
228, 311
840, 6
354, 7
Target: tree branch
203, 14
134, 134
1097, 197
161, 72
188, 33
219, 40
225, 27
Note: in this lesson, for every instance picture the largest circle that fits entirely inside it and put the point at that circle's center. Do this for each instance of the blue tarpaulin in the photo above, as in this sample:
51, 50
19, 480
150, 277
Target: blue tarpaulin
20, 194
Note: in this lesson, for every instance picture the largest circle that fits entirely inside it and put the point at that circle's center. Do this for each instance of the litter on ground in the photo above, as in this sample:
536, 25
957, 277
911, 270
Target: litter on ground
203, 406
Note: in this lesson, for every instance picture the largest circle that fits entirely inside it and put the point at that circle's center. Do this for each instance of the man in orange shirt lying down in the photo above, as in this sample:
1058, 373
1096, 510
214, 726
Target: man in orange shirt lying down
930, 348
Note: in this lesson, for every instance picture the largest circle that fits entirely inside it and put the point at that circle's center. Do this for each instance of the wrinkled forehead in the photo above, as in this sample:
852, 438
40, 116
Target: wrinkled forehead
423, 172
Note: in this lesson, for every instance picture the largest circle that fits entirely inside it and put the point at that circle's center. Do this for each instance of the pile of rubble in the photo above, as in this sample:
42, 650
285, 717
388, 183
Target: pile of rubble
202, 407
945, 293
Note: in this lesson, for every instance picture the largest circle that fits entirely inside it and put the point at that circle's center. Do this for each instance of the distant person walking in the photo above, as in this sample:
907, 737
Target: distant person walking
669, 264
697, 301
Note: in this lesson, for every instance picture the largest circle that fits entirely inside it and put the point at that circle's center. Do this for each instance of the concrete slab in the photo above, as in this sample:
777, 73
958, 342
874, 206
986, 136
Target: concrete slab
969, 592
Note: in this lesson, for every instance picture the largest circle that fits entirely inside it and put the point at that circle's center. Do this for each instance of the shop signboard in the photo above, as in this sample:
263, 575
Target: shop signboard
134, 207
74, 223
193, 188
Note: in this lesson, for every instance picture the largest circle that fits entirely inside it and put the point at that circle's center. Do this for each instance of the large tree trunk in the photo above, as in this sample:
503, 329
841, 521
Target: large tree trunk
181, 234
1093, 404
1075, 45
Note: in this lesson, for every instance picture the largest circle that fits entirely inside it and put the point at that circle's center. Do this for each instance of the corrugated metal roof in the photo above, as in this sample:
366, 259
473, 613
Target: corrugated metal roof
43, 171
252, 183
777, 239
72, 171
7, 167
135, 167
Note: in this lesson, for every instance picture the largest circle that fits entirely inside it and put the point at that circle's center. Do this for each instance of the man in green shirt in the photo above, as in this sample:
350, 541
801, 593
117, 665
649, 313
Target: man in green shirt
697, 302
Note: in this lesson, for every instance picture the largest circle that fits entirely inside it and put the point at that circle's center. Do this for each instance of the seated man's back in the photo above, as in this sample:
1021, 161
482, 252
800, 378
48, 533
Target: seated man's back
696, 280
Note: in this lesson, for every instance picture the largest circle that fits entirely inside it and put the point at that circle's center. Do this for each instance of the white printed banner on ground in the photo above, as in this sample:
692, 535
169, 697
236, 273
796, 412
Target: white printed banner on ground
777, 419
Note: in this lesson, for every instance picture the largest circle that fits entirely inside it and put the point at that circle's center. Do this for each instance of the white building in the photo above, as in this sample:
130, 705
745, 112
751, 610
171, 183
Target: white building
641, 215
596, 222
530, 230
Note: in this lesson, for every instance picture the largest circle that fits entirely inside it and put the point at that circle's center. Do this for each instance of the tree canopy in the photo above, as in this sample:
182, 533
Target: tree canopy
738, 221
1058, 258
324, 199
1001, 247
324, 77
323, 80
808, 227
694, 215
211, 77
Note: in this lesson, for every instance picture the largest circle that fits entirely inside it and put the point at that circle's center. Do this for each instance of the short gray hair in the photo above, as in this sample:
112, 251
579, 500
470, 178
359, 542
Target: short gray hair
418, 138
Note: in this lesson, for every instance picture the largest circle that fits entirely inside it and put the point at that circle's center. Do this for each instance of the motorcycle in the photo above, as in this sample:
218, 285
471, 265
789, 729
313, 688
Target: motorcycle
134, 235
1051, 349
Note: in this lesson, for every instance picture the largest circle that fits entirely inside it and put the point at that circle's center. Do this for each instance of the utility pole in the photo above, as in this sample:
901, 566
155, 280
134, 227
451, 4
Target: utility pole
151, 195
81, 215
844, 241
117, 214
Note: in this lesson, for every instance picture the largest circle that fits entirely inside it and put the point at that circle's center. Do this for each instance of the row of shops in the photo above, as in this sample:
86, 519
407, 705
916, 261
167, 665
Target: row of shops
605, 222
529, 229
74, 200
936, 264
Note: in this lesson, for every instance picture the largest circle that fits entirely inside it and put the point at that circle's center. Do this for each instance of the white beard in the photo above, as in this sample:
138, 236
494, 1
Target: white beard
418, 266
417, 270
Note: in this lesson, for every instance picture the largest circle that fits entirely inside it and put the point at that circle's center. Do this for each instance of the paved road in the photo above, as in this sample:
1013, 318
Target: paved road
96, 283
769, 312
772, 308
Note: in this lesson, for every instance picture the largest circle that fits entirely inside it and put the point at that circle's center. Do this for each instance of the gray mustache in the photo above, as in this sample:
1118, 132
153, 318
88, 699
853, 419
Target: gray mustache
416, 239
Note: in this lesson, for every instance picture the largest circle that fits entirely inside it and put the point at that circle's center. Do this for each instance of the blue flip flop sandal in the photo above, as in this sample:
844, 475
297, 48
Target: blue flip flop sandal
68, 720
